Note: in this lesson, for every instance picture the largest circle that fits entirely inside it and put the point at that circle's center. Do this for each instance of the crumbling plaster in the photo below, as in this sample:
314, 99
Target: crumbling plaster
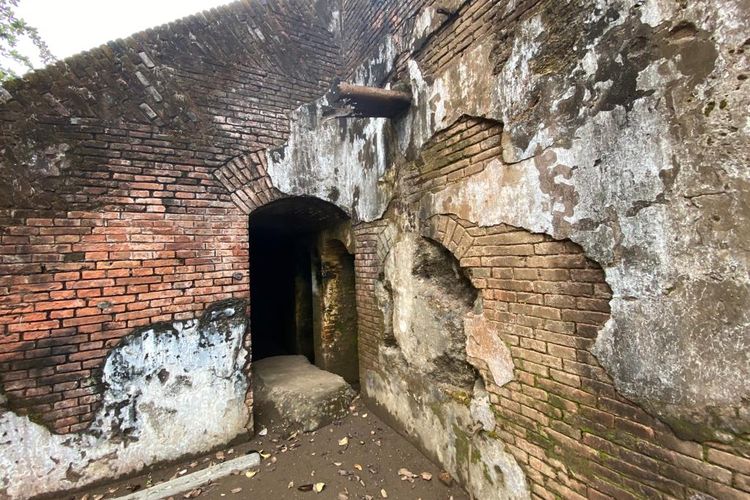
439, 350
624, 132
171, 389
442, 424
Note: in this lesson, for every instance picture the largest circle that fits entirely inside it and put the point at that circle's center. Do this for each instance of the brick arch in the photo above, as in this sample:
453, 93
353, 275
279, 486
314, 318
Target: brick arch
247, 181
561, 416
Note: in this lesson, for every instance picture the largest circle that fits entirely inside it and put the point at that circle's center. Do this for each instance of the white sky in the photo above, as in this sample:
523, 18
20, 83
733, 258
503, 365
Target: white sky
72, 26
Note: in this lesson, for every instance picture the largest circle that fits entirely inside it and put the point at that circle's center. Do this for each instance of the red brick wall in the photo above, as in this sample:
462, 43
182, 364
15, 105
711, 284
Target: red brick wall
133, 227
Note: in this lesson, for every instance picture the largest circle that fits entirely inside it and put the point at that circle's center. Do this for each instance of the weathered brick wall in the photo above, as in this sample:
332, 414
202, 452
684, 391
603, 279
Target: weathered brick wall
561, 417
111, 217
366, 23
367, 266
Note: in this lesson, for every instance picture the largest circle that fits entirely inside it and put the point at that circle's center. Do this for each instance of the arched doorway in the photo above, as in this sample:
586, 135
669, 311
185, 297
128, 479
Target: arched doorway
302, 297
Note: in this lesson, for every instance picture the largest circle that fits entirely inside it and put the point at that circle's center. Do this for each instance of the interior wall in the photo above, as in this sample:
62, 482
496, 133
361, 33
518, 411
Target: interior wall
302, 284
336, 346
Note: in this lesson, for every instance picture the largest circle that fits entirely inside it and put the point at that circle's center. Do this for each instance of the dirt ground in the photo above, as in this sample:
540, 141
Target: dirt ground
356, 458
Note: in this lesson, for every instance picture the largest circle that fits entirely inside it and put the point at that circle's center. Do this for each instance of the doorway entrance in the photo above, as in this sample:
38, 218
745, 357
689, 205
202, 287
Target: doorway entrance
302, 297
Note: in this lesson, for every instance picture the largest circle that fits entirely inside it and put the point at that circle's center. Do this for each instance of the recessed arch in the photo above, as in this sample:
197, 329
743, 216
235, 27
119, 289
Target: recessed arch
302, 284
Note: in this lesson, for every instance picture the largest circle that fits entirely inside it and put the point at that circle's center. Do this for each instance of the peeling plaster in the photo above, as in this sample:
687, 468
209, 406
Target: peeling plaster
171, 390
486, 350
421, 408
628, 166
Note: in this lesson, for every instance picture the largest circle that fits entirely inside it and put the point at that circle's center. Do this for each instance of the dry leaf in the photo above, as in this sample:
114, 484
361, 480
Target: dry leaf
219, 455
383, 493
357, 466
343, 441
290, 485
445, 478
251, 474
264, 455
426, 476
337, 464
318, 487
263, 432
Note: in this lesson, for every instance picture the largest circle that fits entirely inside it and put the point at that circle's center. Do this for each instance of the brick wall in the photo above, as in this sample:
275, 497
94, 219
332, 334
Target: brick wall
366, 23
367, 266
111, 217
561, 416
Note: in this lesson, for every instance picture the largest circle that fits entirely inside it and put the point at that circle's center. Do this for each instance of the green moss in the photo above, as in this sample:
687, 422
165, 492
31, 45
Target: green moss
437, 409
461, 443
460, 397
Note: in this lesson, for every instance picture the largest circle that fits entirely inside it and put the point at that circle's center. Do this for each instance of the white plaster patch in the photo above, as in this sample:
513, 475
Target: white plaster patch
169, 392
501, 193
485, 347
317, 162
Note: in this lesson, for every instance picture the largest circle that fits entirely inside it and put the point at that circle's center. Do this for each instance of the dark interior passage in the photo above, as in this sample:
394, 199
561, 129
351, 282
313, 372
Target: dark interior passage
281, 311
302, 293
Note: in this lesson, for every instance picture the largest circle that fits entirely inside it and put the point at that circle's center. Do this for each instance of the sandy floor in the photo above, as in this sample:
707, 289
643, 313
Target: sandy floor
358, 457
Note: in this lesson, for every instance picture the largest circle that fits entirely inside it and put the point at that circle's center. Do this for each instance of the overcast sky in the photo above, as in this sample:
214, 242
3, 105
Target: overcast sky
72, 26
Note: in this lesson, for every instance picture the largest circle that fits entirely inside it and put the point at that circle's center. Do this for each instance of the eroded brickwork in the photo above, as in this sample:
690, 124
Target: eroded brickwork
367, 265
112, 216
561, 417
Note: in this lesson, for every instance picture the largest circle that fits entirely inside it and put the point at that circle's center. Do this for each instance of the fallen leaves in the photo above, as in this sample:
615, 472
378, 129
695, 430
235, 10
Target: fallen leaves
446, 478
426, 476
316, 487
407, 475
251, 474
344, 441
383, 493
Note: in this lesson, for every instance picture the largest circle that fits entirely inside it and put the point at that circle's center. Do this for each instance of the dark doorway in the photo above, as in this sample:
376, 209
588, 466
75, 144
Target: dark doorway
302, 284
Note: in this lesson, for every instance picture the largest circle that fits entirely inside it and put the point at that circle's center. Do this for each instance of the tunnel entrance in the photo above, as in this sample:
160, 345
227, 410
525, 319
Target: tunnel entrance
302, 298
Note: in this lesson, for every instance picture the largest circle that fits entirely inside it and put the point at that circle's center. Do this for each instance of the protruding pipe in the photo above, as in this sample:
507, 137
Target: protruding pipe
371, 102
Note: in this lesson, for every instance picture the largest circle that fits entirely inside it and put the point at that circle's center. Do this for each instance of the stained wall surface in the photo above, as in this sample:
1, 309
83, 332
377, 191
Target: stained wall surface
113, 218
550, 245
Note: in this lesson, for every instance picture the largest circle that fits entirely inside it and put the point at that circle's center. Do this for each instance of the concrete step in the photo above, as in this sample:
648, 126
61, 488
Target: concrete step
292, 394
